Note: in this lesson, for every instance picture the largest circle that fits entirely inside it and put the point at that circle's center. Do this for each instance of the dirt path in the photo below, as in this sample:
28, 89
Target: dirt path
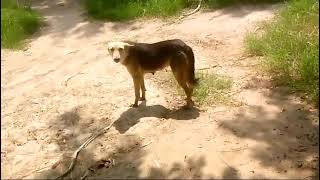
64, 86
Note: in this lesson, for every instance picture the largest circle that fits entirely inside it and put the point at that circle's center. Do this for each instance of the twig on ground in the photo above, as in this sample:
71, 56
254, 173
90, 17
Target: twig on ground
310, 177
225, 162
85, 174
156, 163
205, 68
85, 144
146, 144
236, 149
72, 52
66, 82
186, 15
192, 12
256, 29
231, 93
55, 164
37, 170
243, 57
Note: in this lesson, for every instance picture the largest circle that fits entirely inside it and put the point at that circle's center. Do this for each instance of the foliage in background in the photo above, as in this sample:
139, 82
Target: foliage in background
117, 10
120, 10
17, 23
290, 45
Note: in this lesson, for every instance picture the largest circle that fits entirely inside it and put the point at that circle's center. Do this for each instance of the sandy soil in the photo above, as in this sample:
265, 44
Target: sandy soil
64, 86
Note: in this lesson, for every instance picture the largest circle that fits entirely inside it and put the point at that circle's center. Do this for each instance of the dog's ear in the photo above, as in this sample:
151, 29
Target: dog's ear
109, 44
127, 44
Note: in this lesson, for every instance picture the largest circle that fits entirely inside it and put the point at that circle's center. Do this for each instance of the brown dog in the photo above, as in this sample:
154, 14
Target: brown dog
141, 58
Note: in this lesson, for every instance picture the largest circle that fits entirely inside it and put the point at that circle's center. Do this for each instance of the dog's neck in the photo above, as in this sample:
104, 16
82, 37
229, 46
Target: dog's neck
124, 57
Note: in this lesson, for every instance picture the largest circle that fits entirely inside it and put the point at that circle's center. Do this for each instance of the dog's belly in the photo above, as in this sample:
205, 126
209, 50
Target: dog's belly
155, 65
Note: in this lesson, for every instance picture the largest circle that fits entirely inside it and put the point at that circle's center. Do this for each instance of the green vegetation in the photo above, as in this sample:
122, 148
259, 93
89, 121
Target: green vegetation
117, 10
225, 3
290, 45
120, 10
212, 88
17, 23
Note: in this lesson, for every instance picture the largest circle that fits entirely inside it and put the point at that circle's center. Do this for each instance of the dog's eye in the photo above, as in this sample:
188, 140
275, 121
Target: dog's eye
111, 49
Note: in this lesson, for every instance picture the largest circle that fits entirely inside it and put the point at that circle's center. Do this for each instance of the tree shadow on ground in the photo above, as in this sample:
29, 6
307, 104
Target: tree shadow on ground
243, 9
289, 130
129, 166
67, 17
123, 157
69, 132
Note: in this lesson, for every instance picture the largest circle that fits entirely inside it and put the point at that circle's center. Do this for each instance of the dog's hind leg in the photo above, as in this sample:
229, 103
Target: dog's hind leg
188, 92
182, 81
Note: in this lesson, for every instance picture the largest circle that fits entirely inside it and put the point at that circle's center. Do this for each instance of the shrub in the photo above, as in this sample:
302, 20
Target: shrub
17, 23
290, 45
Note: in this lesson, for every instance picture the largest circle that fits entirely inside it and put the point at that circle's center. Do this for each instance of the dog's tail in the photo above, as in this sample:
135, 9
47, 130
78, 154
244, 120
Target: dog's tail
192, 80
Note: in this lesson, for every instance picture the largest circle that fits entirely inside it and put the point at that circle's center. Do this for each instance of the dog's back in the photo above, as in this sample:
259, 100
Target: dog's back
158, 49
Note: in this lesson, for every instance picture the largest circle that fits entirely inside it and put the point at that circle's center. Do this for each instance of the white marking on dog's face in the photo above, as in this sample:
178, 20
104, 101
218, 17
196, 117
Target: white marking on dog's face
117, 50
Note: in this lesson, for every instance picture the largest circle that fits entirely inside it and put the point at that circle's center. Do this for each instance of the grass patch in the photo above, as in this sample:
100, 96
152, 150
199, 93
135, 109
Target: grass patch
17, 23
122, 10
212, 88
290, 45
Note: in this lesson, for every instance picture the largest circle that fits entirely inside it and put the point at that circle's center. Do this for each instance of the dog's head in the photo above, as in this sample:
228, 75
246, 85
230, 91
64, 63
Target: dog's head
118, 50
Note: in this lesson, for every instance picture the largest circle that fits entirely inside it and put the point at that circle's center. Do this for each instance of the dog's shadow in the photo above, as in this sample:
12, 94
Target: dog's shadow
132, 116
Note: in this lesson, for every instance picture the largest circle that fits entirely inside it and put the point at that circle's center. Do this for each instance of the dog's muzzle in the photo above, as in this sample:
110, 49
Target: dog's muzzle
116, 60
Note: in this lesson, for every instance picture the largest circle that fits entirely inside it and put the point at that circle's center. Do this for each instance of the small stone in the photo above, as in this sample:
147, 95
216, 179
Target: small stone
284, 156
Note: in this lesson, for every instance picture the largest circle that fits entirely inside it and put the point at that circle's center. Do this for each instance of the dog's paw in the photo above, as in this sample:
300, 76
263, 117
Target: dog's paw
134, 105
189, 105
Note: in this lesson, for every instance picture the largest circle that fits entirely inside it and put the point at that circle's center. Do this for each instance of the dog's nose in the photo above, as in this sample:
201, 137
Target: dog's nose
116, 59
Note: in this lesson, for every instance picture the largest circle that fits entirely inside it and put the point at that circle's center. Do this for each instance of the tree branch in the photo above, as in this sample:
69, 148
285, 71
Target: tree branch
85, 144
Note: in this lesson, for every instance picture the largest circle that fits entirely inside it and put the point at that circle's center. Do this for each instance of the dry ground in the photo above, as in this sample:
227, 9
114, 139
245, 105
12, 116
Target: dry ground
64, 86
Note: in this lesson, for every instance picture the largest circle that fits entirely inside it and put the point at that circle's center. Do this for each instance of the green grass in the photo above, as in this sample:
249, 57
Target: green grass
212, 88
122, 10
290, 45
17, 24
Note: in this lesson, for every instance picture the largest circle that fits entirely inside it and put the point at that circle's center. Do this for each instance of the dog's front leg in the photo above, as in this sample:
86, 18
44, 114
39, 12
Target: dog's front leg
143, 90
136, 82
